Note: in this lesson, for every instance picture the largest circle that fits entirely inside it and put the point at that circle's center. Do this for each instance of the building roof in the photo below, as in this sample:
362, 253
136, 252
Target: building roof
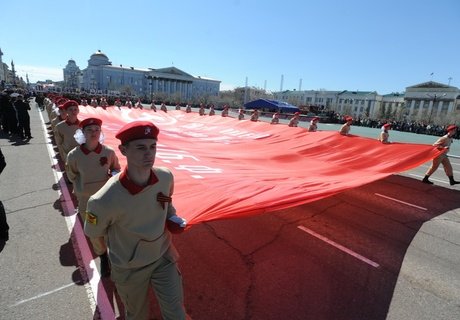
99, 53
431, 85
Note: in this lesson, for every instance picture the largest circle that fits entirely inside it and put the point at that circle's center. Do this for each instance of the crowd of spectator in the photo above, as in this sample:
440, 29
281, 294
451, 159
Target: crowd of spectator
413, 126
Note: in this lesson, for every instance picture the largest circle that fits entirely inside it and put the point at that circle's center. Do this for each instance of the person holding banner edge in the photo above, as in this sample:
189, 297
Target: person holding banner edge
135, 213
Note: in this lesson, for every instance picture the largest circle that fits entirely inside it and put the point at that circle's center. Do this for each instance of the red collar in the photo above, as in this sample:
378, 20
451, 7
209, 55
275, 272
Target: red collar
131, 186
86, 151
77, 122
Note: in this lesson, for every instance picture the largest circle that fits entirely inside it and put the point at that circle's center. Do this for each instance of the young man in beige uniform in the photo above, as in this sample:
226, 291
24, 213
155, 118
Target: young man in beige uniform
345, 129
88, 167
443, 143
65, 130
384, 136
313, 124
275, 118
225, 111
294, 122
132, 210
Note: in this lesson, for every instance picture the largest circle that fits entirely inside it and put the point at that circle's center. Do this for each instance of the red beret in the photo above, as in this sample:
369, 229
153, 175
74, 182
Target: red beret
315, 118
297, 113
349, 118
60, 101
387, 125
137, 130
68, 104
90, 121
451, 127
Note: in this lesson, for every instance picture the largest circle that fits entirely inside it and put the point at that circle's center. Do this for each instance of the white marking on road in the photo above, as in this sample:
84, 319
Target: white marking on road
431, 178
339, 246
197, 176
97, 298
42, 294
400, 201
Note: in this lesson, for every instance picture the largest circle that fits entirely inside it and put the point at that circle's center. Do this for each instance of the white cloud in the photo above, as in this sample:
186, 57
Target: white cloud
39, 73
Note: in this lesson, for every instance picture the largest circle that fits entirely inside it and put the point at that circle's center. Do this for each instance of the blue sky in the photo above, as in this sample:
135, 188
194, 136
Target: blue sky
330, 44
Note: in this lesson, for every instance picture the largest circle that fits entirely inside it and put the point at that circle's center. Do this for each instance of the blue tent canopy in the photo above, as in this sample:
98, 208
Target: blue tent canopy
271, 105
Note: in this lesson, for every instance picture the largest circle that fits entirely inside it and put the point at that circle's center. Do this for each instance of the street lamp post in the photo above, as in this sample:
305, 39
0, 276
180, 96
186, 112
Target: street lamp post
435, 98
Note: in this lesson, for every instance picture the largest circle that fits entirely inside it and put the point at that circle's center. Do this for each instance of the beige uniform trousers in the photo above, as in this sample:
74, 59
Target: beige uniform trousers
98, 248
445, 163
133, 284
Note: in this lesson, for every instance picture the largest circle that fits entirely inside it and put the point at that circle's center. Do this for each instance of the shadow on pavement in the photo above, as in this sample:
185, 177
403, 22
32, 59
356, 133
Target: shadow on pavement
264, 267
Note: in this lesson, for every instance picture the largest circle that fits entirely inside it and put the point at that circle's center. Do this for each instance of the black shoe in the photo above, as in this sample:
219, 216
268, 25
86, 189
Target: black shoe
425, 180
105, 266
452, 182
4, 236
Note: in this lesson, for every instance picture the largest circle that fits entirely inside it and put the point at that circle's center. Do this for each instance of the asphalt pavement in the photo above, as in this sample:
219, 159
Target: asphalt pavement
386, 250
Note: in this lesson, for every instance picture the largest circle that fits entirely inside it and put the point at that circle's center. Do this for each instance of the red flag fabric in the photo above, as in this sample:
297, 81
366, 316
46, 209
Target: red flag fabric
226, 168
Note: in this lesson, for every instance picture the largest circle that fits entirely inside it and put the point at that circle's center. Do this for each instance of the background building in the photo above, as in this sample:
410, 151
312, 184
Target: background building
355, 103
432, 102
101, 77
72, 77
428, 102
2, 72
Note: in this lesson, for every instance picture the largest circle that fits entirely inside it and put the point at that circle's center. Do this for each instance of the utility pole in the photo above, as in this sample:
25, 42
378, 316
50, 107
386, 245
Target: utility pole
245, 92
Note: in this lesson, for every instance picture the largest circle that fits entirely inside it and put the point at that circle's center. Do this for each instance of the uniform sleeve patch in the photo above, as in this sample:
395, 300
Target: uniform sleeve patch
91, 218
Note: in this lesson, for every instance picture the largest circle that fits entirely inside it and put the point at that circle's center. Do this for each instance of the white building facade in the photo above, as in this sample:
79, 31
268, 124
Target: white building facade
73, 77
427, 102
432, 101
2, 72
355, 103
101, 77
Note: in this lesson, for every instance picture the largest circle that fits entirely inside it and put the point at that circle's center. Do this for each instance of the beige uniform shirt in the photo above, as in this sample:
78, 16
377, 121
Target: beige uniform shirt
345, 129
313, 127
443, 142
133, 223
63, 134
90, 170
55, 122
294, 122
384, 136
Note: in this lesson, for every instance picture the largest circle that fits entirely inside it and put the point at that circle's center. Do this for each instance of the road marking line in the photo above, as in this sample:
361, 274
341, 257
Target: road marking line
340, 247
97, 298
434, 179
400, 201
42, 294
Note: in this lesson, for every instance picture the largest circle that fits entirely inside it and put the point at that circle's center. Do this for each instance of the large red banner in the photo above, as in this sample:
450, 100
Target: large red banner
225, 168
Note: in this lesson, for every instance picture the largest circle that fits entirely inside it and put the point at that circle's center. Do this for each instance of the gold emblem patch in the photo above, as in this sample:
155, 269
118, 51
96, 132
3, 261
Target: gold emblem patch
91, 218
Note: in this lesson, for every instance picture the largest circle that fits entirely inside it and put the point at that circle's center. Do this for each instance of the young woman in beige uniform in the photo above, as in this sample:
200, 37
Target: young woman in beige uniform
88, 167
65, 130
